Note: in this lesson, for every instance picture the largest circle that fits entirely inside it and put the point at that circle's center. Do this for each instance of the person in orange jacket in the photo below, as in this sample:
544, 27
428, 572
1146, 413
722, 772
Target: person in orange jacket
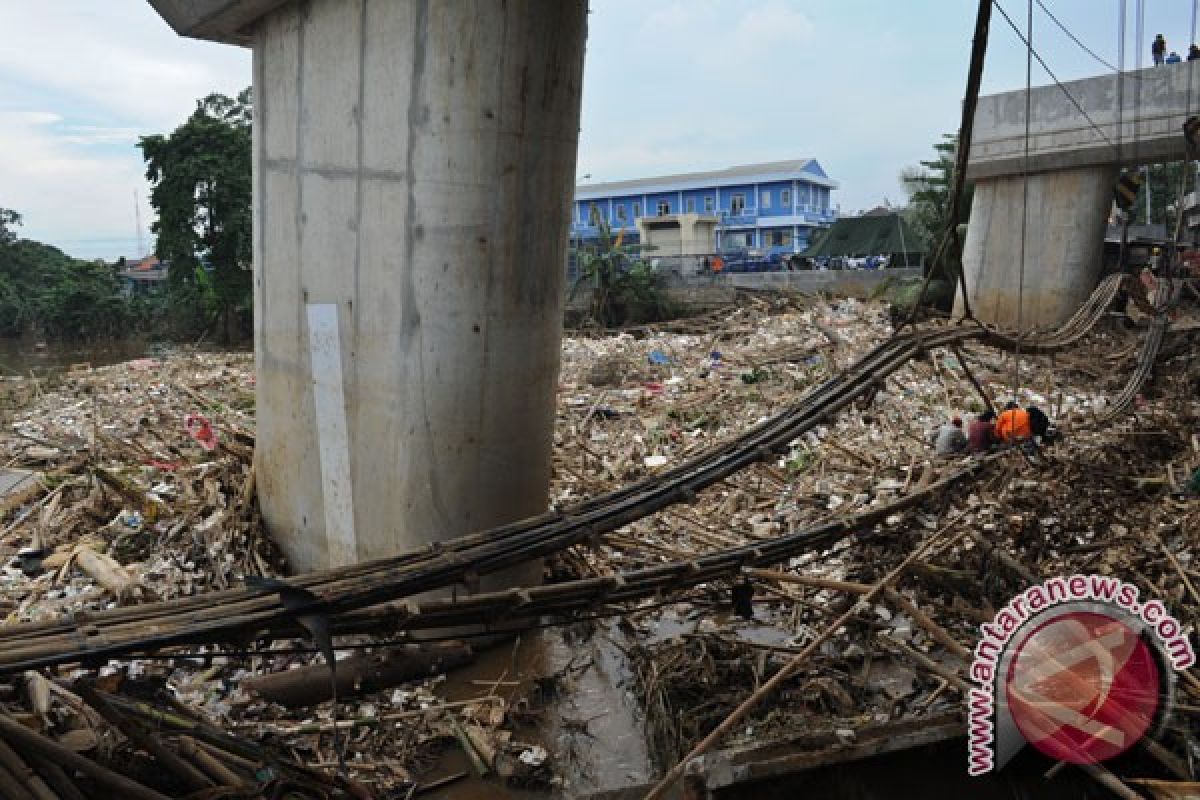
1013, 425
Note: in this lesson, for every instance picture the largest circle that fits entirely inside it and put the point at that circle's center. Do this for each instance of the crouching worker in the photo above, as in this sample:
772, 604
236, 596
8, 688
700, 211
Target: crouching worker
1013, 425
981, 433
950, 439
1040, 425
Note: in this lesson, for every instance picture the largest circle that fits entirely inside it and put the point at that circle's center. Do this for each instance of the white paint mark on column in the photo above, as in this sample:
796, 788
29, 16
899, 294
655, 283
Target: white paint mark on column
333, 444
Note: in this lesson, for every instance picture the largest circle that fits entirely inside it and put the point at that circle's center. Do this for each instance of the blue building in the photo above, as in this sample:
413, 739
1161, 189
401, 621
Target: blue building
773, 208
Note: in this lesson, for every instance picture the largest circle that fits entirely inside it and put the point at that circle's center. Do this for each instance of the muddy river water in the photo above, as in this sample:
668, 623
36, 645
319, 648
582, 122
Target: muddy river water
19, 356
584, 712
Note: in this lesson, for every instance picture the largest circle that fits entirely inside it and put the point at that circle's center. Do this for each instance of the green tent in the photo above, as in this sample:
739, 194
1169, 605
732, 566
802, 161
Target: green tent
870, 235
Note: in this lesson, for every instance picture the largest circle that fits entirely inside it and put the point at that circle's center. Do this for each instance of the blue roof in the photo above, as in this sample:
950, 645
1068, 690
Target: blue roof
802, 169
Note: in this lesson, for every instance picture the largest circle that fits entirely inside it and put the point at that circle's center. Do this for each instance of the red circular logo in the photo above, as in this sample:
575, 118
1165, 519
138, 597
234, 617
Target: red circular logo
1083, 687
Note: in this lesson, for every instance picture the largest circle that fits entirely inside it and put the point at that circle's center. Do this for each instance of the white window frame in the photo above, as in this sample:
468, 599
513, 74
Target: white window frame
785, 198
662, 208
593, 214
690, 205
765, 200
620, 211
737, 203
709, 204
637, 210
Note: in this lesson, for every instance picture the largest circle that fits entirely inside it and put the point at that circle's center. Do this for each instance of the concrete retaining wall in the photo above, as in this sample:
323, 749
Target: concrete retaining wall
710, 291
852, 283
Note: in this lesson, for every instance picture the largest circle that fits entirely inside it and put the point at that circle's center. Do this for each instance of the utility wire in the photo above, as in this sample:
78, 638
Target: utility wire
1053, 77
1073, 37
1024, 203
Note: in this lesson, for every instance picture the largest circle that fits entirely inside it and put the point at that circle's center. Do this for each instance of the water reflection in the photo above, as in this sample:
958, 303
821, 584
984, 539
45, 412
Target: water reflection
19, 356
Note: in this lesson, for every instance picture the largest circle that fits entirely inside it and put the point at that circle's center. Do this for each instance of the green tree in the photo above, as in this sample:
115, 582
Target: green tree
625, 289
200, 177
44, 290
929, 186
13, 314
1162, 181
9, 219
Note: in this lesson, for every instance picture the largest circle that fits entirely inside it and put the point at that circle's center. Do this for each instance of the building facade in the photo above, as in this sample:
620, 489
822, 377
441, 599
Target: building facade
774, 208
143, 276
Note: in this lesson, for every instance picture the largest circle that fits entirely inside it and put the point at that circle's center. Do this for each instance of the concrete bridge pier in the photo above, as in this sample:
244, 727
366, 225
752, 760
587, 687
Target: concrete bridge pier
413, 168
1064, 214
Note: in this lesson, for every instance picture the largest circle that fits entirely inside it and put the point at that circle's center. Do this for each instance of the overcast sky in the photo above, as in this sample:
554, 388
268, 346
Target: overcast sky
864, 86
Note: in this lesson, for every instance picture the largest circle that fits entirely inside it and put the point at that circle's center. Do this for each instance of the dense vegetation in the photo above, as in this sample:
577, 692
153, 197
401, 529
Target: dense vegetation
623, 288
929, 186
46, 292
200, 178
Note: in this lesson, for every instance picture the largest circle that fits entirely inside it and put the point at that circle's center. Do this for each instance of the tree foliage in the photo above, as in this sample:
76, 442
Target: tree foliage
9, 220
200, 177
625, 289
929, 186
46, 292
1162, 182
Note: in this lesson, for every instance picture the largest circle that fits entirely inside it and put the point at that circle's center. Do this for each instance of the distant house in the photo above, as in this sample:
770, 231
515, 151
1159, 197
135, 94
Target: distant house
774, 208
143, 276
877, 233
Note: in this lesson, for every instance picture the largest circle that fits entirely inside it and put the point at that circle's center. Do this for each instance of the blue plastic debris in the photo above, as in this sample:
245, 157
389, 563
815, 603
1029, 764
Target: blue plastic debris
658, 357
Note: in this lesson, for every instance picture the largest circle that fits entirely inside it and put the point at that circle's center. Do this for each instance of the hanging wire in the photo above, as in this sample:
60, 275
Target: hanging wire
1139, 29
1034, 54
1139, 33
1024, 200
1191, 165
1073, 37
1126, 213
1122, 8
1185, 176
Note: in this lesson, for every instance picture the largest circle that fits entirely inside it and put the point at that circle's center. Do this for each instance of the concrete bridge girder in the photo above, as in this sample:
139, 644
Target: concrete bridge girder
1138, 118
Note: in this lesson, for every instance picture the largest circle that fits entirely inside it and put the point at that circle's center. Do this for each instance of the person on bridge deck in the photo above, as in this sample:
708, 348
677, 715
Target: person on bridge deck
950, 439
1013, 425
1158, 49
981, 433
1193, 53
1174, 58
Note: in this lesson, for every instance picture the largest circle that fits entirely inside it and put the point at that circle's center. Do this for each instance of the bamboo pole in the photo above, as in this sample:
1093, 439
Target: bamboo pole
113, 781
56, 778
29, 779
936, 631
166, 757
217, 771
792, 666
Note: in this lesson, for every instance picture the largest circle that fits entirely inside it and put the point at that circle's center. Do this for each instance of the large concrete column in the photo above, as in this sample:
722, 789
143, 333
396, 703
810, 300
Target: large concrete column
1065, 213
413, 167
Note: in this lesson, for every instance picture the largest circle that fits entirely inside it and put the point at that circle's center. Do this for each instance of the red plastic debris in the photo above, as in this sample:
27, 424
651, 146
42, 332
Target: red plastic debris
201, 430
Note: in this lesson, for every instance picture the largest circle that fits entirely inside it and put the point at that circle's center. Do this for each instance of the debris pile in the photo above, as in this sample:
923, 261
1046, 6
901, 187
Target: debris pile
138, 485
